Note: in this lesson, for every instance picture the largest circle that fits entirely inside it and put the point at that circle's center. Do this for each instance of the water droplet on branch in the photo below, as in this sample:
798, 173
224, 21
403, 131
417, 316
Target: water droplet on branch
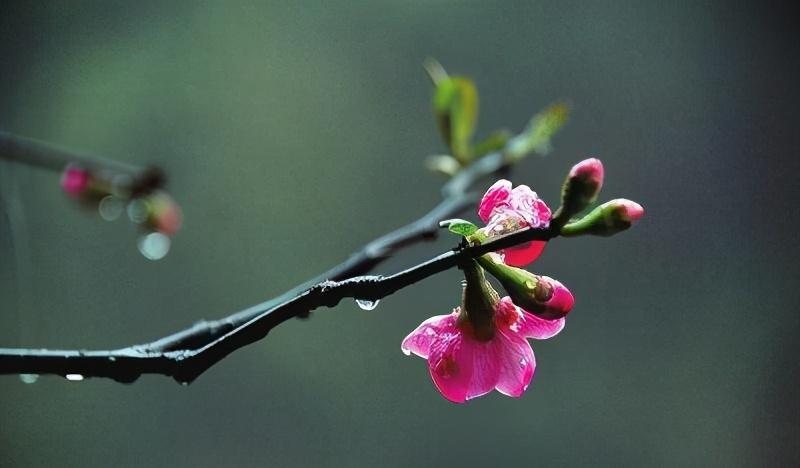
110, 208
366, 304
74, 377
29, 378
154, 246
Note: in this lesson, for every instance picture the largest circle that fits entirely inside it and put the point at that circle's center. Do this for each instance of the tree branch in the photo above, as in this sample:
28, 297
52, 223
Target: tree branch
188, 353
185, 365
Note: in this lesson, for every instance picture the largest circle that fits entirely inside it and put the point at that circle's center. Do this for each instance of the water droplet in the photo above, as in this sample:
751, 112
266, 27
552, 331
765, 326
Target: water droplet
110, 208
154, 246
366, 304
74, 377
523, 362
28, 378
138, 211
112, 359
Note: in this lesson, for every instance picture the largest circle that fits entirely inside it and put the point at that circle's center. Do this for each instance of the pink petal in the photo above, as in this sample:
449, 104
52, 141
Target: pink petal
532, 326
542, 211
498, 194
523, 198
517, 364
526, 202
517, 321
523, 254
451, 365
485, 366
419, 341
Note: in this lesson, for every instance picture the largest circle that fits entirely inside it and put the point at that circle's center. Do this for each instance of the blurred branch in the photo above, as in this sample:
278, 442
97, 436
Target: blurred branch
44, 155
188, 353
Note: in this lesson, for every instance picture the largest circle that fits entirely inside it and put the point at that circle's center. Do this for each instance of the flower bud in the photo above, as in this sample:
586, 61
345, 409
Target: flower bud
539, 295
582, 186
75, 180
163, 213
607, 219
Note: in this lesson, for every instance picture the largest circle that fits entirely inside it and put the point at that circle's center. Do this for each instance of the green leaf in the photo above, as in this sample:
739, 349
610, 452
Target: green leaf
435, 70
540, 130
461, 227
496, 141
478, 237
455, 104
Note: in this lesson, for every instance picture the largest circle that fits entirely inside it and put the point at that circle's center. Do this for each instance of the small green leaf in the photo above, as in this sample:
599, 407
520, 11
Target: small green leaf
461, 227
478, 237
496, 141
435, 70
540, 130
455, 104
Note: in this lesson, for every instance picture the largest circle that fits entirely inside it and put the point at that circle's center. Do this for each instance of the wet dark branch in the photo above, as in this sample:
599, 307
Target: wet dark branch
359, 263
186, 354
125, 365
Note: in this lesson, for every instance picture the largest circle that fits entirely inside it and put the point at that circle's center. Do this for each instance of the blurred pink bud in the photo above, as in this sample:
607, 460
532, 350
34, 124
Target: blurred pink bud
164, 213
75, 180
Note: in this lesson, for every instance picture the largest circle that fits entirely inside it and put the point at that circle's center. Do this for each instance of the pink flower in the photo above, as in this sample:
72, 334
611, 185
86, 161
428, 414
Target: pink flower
464, 367
505, 210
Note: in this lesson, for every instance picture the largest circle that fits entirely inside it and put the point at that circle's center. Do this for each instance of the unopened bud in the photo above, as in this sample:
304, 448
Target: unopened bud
75, 180
539, 295
607, 219
582, 186
163, 213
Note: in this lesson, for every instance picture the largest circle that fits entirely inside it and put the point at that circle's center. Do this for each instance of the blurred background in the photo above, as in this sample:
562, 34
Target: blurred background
293, 133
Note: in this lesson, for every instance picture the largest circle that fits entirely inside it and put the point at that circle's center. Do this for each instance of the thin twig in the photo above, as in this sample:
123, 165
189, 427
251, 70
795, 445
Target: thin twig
138, 179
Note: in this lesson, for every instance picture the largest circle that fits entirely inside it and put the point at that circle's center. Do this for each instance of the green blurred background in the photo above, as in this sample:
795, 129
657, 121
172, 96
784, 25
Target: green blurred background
294, 132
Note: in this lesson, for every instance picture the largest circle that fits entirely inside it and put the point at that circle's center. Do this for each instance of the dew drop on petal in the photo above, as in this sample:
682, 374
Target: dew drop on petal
74, 377
110, 208
523, 362
366, 304
28, 378
154, 246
